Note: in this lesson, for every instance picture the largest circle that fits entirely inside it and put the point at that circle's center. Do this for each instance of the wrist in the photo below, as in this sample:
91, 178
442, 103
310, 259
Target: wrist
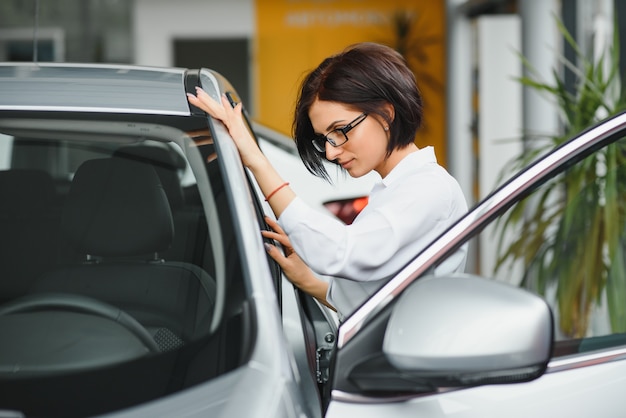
276, 190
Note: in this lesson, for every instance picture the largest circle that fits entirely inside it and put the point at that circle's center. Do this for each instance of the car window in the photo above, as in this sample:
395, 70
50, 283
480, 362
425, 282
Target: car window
119, 274
566, 242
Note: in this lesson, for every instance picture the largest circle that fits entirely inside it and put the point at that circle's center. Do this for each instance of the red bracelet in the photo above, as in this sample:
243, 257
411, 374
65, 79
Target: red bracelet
276, 190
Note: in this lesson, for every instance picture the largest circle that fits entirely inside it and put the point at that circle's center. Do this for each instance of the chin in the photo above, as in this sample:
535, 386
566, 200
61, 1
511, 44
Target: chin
355, 173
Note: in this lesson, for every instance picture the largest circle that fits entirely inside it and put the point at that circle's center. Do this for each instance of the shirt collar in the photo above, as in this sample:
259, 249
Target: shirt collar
409, 163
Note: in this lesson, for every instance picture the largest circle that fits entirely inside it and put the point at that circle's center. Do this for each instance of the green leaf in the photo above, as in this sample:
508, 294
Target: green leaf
570, 234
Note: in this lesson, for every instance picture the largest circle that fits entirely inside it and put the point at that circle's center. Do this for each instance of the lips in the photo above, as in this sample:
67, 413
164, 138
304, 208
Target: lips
346, 164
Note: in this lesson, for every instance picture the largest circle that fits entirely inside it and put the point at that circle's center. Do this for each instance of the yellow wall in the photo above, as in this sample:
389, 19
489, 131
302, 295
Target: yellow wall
294, 36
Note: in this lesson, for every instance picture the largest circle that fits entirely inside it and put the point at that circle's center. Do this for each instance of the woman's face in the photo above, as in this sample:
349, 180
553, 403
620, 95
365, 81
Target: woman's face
366, 147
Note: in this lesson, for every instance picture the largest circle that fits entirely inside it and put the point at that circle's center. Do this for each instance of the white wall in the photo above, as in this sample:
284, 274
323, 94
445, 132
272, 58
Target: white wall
541, 42
459, 98
500, 96
499, 112
156, 23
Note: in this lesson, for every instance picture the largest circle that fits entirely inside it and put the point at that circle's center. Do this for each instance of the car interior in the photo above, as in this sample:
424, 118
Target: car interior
110, 270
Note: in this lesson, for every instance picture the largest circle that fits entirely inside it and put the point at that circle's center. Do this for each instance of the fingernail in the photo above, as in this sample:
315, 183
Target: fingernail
267, 246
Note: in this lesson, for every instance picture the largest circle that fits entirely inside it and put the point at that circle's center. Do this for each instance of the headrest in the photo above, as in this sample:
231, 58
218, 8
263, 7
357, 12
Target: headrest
25, 192
117, 207
166, 163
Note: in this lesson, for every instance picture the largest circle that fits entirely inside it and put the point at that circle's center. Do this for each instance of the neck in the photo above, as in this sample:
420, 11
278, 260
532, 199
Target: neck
396, 156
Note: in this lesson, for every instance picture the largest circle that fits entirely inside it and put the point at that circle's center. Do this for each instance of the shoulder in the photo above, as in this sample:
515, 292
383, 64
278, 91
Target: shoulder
428, 189
429, 178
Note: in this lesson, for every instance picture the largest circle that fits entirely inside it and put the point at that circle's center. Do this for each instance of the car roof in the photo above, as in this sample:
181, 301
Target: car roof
96, 88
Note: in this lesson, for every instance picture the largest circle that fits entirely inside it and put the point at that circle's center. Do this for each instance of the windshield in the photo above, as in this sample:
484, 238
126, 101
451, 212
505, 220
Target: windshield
116, 251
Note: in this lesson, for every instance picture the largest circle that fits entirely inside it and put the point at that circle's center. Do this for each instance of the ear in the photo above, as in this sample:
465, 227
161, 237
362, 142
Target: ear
390, 111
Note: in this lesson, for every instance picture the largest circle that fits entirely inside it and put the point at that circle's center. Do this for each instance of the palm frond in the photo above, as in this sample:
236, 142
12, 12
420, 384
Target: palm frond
569, 234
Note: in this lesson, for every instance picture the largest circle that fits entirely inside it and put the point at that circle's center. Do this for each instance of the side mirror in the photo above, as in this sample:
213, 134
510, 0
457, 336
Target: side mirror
464, 330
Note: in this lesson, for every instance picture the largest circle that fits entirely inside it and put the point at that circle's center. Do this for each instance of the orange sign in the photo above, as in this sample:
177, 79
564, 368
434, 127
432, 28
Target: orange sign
294, 36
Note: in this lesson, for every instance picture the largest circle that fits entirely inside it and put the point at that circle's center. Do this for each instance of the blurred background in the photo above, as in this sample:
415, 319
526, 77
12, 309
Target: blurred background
466, 54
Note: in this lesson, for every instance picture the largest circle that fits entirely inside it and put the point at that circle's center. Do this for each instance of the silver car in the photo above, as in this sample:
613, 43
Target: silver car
134, 280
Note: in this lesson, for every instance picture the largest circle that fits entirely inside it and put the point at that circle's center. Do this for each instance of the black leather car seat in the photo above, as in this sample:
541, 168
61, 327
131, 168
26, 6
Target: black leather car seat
117, 215
187, 216
166, 163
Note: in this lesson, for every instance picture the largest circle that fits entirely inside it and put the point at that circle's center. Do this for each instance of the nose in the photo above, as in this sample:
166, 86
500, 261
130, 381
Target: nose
332, 152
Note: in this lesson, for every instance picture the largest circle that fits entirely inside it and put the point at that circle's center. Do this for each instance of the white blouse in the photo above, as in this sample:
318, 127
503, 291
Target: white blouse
406, 210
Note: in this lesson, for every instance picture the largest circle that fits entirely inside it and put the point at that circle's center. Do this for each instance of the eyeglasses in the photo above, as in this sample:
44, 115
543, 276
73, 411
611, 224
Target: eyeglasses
338, 136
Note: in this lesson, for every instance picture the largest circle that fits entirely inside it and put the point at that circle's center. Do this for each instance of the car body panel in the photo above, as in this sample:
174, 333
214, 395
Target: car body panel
581, 392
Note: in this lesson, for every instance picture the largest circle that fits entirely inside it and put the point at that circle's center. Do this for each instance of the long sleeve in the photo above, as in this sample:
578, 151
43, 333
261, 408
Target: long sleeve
406, 211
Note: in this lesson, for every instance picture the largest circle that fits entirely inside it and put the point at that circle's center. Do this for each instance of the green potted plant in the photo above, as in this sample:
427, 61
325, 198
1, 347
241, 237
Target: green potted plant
588, 202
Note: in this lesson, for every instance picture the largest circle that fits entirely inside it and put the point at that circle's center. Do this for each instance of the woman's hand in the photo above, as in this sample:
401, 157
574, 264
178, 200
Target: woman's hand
233, 119
292, 265
251, 156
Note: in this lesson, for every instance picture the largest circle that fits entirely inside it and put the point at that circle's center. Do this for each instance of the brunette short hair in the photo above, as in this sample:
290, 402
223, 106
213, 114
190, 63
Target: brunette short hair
366, 76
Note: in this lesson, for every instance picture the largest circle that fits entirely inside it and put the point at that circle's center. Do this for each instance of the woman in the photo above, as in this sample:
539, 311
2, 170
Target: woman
361, 110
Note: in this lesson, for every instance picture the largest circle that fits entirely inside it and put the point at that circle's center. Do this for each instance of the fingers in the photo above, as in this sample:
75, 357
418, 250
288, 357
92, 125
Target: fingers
278, 234
274, 225
207, 104
222, 111
234, 121
282, 239
276, 254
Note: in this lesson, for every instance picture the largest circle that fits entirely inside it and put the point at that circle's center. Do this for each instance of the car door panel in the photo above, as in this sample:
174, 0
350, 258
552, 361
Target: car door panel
581, 392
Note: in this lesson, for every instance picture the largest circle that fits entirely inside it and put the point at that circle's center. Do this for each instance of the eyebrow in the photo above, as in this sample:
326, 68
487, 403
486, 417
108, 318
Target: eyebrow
334, 123
329, 126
